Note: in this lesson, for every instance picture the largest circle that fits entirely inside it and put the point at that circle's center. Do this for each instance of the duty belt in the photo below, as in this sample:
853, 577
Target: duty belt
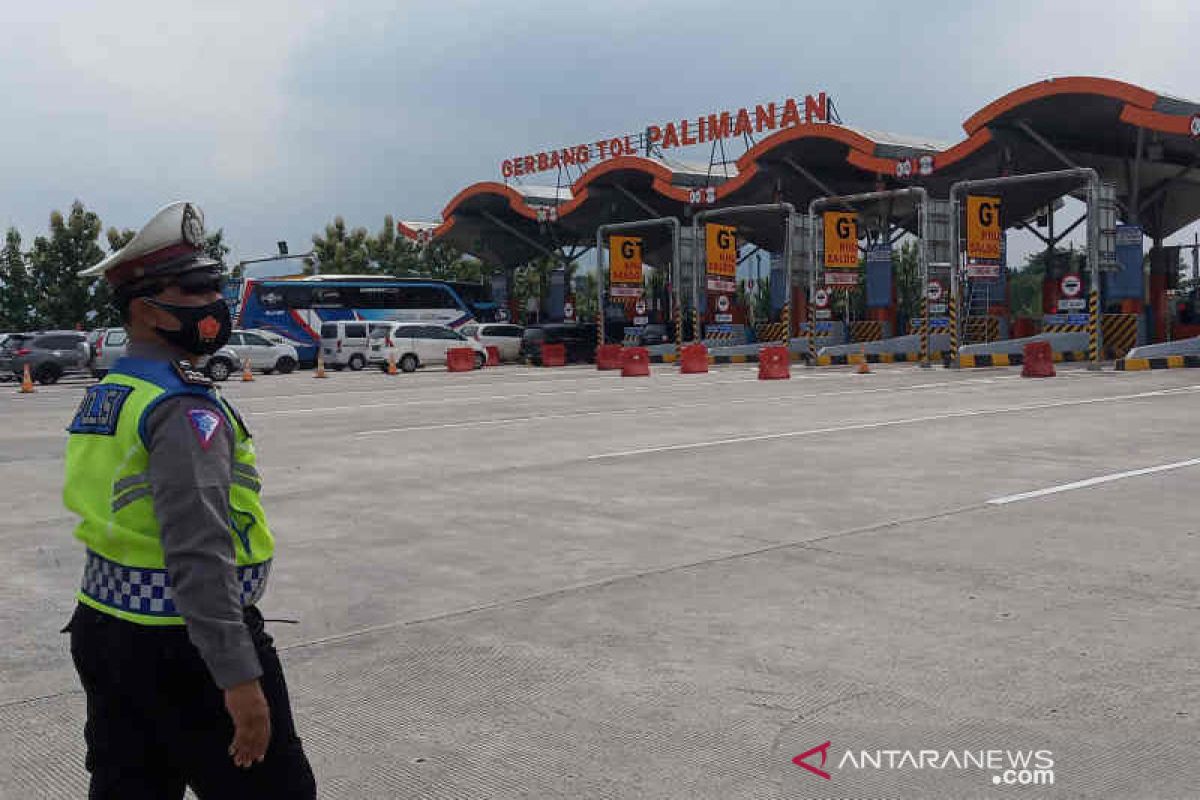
148, 591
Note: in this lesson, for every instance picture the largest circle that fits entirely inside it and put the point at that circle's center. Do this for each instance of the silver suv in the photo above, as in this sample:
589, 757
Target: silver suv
49, 354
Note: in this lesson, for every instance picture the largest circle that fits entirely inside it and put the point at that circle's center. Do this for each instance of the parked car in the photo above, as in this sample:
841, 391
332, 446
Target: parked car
417, 344
579, 340
109, 345
49, 354
654, 333
345, 343
504, 337
262, 353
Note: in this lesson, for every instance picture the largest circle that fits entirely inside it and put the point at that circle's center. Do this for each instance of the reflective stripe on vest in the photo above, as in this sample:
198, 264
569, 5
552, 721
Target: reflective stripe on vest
139, 590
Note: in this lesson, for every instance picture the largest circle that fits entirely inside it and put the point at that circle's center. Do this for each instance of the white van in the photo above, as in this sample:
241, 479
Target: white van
346, 343
416, 344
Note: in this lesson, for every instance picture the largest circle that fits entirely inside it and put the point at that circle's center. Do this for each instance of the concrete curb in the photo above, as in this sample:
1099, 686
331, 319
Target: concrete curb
1011, 359
1161, 362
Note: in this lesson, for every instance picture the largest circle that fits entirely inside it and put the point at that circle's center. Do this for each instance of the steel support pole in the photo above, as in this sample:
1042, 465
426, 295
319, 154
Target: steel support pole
955, 284
922, 201
760, 208
1085, 175
620, 227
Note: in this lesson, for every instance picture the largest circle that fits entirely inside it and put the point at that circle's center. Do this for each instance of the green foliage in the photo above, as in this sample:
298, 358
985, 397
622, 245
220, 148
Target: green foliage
215, 247
341, 250
17, 297
392, 253
585, 297
907, 274
63, 299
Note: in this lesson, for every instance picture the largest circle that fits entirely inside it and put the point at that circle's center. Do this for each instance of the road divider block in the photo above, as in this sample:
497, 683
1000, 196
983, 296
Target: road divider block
774, 364
554, 355
1037, 360
609, 356
693, 359
635, 362
460, 359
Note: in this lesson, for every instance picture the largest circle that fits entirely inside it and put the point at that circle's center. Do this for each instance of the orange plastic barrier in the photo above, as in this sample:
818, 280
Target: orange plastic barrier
460, 359
554, 355
608, 356
493, 359
1037, 361
635, 362
693, 359
773, 364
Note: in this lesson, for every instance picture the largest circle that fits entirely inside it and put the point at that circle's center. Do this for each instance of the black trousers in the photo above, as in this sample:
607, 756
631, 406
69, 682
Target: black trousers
156, 722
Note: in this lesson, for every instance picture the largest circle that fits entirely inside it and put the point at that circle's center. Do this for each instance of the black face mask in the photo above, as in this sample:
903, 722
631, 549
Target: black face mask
203, 330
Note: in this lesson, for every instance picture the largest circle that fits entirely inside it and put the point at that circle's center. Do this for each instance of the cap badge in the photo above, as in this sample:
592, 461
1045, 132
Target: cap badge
193, 226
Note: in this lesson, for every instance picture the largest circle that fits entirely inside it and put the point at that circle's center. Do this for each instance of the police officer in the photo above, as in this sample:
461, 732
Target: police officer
184, 687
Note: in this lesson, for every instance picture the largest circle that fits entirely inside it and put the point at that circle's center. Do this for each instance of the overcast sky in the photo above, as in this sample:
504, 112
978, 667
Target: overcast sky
275, 116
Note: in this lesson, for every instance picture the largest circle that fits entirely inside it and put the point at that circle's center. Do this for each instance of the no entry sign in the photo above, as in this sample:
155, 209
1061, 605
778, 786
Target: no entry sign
821, 298
723, 303
1071, 285
640, 307
935, 290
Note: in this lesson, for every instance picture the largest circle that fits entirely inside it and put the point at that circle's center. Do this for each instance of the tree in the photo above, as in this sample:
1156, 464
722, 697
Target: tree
216, 249
394, 254
907, 274
64, 299
340, 250
17, 299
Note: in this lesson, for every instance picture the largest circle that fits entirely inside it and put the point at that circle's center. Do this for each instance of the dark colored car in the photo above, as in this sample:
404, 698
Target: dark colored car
579, 340
49, 355
654, 333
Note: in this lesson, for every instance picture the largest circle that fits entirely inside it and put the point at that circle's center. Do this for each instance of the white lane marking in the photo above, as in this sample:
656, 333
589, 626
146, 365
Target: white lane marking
883, 424
660, 409
1116, 476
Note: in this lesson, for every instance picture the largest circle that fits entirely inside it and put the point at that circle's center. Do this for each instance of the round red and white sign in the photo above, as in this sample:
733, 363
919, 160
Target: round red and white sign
640, 307
935, 290
723, 303
1071, 285
568, 310
821, 298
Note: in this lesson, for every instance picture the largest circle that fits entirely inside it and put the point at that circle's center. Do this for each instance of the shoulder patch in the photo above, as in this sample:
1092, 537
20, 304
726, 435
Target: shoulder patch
205, 424
100, 409
190, 375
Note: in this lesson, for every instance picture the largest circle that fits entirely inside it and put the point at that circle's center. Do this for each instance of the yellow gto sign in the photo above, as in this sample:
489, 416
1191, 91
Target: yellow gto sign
721, 249
841, 239
983, 227
626, 259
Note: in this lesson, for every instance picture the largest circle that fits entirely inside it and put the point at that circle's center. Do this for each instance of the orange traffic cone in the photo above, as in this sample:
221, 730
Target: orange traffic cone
863, 367
247, 375
320, 373
391, 368
27, 382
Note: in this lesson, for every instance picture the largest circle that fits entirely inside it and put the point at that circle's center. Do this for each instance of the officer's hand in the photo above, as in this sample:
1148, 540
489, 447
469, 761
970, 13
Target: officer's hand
251, 723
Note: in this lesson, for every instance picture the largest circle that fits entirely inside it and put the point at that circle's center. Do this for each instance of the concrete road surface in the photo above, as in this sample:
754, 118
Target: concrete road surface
559, 583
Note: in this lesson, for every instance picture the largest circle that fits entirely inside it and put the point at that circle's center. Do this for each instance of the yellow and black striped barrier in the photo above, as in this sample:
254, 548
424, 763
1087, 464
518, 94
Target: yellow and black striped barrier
1093, 326
1013, 359
952, 309
1161, 362
770, 331
866, 330
1120, 334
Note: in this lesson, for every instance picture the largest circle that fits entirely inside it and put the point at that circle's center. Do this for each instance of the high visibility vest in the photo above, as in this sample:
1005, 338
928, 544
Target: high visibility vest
107, 485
